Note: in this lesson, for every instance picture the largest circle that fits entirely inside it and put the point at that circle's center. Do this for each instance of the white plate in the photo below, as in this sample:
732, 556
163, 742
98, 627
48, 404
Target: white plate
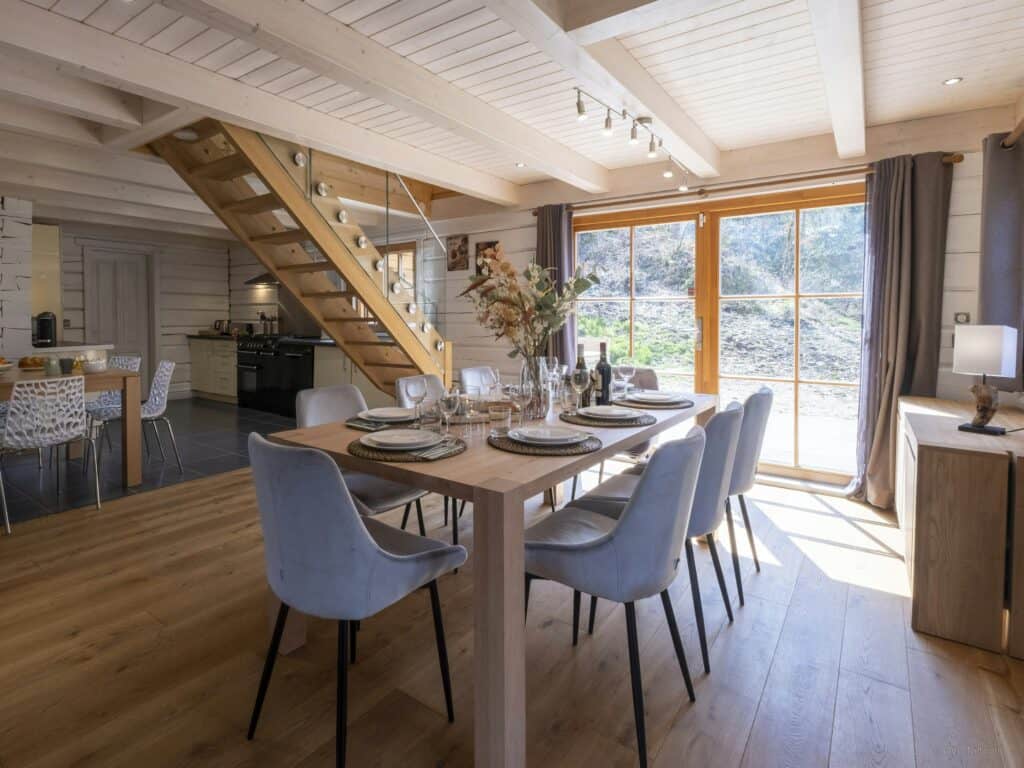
401, 439
656, 398
547, 435
4, 367
388, 414
609, 412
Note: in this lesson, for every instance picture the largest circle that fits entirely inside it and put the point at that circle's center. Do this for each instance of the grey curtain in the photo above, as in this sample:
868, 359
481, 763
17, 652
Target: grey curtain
1001, 277
907, 216
554, 252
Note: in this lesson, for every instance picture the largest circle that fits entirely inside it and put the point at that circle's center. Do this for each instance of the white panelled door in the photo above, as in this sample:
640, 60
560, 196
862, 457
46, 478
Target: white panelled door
117, 305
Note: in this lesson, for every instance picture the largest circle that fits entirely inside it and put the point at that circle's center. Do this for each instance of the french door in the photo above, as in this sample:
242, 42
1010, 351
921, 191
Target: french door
729, 296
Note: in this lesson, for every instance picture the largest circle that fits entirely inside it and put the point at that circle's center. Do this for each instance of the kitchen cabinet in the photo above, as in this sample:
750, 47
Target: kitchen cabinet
214, 372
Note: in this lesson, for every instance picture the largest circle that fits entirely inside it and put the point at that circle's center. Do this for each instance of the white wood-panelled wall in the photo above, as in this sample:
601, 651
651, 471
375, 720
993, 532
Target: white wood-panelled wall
247, 301
191, 281
15, 276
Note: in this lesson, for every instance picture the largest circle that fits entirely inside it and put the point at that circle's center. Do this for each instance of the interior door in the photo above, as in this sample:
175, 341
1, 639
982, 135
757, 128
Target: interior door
117, 306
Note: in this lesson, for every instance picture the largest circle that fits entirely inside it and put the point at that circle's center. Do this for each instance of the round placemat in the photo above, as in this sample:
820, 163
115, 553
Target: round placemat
642, 420
654, 407
589, 445
359, 450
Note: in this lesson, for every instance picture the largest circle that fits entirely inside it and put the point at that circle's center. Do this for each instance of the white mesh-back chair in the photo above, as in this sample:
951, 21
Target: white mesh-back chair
107, 406
46, 413
154, 410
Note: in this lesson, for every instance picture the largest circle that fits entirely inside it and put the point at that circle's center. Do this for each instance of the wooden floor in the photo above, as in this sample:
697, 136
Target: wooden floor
134, 637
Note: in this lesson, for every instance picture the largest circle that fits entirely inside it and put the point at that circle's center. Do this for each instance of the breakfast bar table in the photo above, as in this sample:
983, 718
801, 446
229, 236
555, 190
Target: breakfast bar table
498, 483
131, 414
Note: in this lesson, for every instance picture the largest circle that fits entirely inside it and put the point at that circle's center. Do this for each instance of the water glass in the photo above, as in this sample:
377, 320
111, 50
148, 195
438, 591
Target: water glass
500, 414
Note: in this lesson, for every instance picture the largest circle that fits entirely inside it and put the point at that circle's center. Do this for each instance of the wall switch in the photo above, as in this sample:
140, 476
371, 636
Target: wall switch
66, 324
961, 318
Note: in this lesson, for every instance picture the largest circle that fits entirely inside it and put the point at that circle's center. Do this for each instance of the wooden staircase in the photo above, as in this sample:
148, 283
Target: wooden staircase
283, 201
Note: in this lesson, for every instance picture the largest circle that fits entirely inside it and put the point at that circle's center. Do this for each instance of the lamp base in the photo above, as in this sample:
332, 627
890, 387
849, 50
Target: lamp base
986, 430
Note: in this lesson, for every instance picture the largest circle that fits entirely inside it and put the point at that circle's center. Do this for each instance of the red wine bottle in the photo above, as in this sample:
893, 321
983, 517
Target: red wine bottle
604, 371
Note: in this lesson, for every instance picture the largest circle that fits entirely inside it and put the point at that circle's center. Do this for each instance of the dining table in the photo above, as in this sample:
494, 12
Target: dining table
127, 382
498, 483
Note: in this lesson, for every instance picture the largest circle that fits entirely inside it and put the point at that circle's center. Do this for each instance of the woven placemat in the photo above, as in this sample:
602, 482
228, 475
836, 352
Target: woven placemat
359, 450
653, 407
589, 445
643, 420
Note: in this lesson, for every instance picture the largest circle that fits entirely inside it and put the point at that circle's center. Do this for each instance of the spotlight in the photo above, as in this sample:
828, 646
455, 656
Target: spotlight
685, 186
581, 108
632, 134
652, 148
607, 130
668, 173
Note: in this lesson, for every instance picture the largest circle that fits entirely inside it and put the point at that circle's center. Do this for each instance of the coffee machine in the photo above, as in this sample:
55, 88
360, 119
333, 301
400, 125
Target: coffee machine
44, 330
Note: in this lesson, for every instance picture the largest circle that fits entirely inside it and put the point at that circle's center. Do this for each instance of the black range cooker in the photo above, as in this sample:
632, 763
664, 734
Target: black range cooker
271, 371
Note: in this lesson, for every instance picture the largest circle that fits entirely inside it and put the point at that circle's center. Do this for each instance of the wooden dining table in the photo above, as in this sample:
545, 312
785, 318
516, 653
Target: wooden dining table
498, 483
131, 414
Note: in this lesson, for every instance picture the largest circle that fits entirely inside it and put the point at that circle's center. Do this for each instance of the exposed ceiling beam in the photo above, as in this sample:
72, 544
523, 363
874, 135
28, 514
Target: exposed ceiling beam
837, 34
682, 136
34, 121
591, 21
303, 35
109, 60
65, 215
157, 120
130, 167
44, 85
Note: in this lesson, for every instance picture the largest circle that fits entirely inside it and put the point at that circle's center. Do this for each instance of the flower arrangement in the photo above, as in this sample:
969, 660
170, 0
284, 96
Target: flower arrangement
525, 309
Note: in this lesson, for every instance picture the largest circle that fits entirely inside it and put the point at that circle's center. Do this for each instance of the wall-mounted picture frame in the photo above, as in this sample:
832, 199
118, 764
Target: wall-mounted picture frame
458, 252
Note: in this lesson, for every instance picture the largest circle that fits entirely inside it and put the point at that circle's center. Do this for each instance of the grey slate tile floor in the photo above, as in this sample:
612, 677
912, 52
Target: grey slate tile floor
211, 438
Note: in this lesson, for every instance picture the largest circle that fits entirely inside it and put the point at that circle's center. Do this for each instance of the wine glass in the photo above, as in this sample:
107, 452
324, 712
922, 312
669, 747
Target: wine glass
449, 404
521, 394
626, 370
580, 381
416, 390
474, 403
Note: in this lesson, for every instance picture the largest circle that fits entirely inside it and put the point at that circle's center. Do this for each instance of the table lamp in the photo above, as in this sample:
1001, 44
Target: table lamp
988, 350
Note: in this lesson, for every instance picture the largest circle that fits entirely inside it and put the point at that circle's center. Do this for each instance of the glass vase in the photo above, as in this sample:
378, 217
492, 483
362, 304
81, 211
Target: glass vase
532, 373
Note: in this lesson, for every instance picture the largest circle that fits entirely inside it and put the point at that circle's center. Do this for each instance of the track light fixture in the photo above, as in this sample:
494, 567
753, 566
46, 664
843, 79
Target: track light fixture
632, 134
668, 173
581, 108
607, 130
685, 186
652, 148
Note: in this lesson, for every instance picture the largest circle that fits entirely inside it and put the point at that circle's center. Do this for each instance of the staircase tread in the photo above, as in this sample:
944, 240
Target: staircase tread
224, 169
284, 237
259, 204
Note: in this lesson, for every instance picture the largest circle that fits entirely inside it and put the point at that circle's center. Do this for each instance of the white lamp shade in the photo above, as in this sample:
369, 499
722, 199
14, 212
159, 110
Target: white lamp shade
990, 350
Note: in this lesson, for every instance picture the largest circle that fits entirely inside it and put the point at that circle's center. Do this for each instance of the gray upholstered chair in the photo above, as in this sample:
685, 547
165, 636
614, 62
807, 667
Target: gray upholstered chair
340, 403
610, 497
325, 559
756, 410
435, 391
628, 558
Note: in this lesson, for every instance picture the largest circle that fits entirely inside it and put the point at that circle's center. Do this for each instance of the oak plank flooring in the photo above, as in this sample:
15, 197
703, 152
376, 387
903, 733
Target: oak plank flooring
135, 635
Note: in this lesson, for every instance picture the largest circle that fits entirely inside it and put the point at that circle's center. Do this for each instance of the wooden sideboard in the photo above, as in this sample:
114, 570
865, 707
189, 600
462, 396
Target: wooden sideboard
957, 499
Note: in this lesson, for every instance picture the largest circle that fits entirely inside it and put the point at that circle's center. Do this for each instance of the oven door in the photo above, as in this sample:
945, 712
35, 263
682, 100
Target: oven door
250, 381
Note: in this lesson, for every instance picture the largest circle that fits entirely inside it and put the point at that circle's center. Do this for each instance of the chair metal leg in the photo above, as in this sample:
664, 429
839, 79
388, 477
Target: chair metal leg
526, 596
405, 516
56, 465
554, 496
106, 435
174, 443
732, 546
600, 473
575, 617
575, 480
673, 628
698, 607
638, 686
3, 503
268, 668
341, 721
446, 511
750, 532
593, 615
95, 471
462, 507
353, 628
39, 456
442, 650
145, 439
159, 442
419, 518
710, 538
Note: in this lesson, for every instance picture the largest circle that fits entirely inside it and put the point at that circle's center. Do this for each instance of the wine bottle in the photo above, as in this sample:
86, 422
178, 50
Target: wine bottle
604, 371
581, 365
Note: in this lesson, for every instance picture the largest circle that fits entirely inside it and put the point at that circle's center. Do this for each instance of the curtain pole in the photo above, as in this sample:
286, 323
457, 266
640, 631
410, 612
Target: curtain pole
950, 159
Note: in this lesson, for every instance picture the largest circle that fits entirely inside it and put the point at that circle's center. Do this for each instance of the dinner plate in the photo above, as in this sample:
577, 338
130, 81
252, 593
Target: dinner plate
388, 414
547, 435
609, 412
401, 439
656, 398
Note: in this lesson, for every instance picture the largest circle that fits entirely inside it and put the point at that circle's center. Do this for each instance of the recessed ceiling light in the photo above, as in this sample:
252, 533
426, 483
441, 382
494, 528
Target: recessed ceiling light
520, 164
953, 81
668, 173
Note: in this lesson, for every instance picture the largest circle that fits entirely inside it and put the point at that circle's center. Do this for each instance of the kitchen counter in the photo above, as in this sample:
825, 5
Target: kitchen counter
65, 350
281, 339
219, 337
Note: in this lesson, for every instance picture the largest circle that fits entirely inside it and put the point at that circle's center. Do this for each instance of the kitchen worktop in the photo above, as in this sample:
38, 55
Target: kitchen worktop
280, 339
67, 349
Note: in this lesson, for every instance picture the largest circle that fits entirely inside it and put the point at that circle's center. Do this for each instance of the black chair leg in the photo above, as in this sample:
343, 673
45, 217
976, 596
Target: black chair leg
575, 480
750, 532
405, 516
732, 546
710, 538
353, 627
593, 615
268, 668
341, 723
575, 617
638, 686
446, 510
698, 608
673, 628
526, 597
419, 518
462, 507
442, 650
